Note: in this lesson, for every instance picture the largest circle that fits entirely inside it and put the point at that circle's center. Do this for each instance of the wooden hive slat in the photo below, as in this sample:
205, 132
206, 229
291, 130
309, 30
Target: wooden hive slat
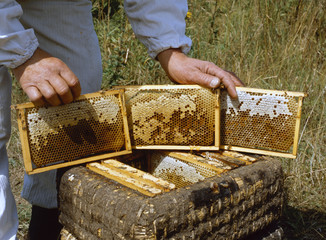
247, 159
220, 157
206, 163
22, 126
139, 175
149, 188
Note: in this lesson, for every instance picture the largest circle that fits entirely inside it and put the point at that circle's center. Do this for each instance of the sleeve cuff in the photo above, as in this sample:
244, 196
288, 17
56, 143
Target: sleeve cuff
155, 46
17, 48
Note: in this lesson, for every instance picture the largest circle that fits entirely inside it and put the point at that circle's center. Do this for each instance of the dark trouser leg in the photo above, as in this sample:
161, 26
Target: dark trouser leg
44, 224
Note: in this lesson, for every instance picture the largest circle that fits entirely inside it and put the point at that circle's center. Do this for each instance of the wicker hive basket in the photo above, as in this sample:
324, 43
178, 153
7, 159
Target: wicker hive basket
240, 202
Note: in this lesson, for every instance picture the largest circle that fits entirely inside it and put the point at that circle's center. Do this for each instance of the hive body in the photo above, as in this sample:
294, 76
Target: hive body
232, 205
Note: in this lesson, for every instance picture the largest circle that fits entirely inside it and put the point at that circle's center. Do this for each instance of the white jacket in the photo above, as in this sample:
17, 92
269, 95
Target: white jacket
158, 24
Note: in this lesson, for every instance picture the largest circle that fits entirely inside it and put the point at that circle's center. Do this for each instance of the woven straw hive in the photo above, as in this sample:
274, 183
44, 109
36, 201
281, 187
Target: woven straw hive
229, 198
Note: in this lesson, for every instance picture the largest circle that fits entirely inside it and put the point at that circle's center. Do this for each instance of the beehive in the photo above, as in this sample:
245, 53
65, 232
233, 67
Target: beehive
261, 121
90, 128
173, 117
224, 200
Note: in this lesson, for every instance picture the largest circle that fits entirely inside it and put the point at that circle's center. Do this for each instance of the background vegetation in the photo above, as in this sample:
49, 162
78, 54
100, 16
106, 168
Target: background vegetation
268, 44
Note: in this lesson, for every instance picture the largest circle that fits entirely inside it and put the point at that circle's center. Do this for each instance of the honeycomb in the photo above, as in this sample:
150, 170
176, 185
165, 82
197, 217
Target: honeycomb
178, 115
68, 132
177, 171
260, 120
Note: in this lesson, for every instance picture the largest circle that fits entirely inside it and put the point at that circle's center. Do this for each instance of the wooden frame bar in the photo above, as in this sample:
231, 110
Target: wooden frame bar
174, 147
217, 120
191, 159
82, 97
258, 151
79, 161
286, 93
22, 126
146, 187
297, 127
155, 87
125, 121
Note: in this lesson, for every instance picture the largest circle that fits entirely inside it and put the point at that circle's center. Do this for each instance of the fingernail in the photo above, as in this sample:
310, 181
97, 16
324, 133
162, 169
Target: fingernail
214, 83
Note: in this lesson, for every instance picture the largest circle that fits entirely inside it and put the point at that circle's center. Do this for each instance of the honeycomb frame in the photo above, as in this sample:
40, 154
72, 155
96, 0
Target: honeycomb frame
272, 129
91, 128
173, 117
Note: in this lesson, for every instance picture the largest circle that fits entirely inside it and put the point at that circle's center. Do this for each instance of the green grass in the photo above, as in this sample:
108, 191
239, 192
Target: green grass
268, 44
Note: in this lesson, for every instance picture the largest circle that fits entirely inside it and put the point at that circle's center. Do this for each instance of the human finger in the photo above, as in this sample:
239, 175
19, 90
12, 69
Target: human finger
62, 89
228, 80
204, 80
49, 94
211, 81
237, 80
72, 81
34, 95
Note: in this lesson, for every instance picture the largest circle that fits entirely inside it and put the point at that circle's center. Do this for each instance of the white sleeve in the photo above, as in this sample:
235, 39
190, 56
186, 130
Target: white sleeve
159, 24
17, 45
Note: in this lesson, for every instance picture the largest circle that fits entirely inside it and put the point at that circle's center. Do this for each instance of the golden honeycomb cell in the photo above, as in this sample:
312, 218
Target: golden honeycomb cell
172, 115
94, 124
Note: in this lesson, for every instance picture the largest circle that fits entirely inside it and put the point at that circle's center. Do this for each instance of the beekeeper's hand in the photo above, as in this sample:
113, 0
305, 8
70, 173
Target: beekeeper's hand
47, 79
186, 70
